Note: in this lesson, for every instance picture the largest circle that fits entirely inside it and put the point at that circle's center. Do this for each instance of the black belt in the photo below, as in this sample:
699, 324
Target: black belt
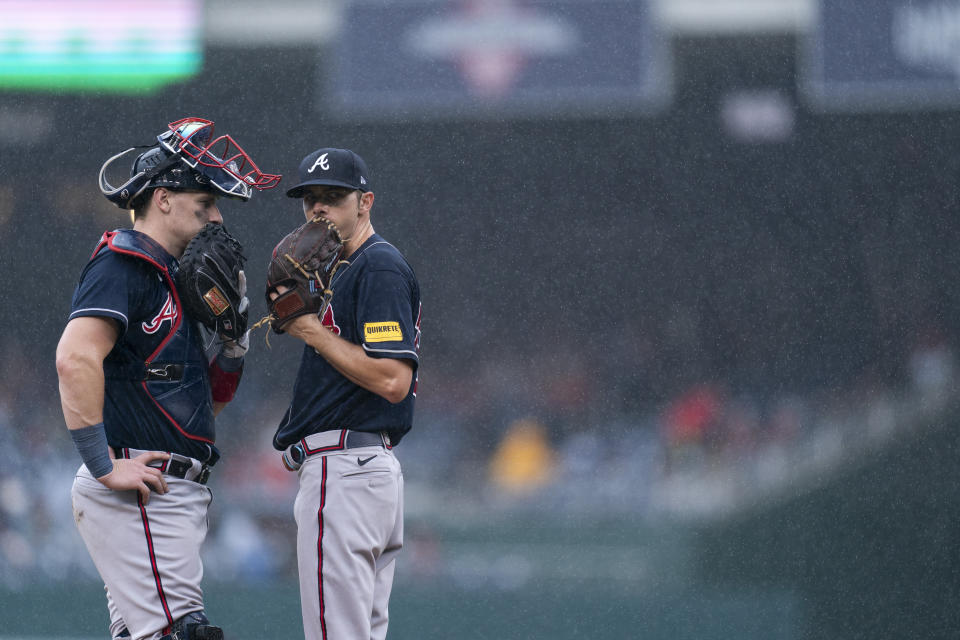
181, 469
177, 465
363, 439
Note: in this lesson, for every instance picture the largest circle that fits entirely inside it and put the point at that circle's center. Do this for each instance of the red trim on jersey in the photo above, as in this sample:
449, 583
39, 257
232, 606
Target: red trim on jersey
104, 239
153, 559
172, 421
334, 447
108, 237
323, 500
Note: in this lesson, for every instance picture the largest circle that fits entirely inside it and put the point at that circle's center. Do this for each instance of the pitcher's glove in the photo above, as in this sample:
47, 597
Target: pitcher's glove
304, 263
212, 284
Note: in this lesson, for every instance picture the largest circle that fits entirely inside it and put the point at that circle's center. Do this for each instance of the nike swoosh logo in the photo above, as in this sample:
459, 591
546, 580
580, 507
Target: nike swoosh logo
363, 462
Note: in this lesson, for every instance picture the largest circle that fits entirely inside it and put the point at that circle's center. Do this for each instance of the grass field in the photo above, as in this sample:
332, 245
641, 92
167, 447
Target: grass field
547, 611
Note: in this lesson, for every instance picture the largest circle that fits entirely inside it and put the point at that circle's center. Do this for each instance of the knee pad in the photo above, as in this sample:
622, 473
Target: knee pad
194, 626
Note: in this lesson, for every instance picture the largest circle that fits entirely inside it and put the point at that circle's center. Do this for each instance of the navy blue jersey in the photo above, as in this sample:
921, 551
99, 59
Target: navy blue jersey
157, 389
375, 304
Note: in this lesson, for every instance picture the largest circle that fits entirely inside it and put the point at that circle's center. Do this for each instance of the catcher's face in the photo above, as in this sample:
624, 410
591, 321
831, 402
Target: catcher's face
190, 211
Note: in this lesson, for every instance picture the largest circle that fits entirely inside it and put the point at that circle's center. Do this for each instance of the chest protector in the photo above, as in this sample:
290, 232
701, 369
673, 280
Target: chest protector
163, 355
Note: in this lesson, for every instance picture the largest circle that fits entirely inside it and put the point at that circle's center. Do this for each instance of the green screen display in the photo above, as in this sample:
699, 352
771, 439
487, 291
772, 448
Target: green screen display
99, 45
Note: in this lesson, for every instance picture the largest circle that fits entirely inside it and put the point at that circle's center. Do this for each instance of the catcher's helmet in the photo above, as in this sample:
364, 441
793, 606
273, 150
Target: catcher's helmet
177, 175
187, 158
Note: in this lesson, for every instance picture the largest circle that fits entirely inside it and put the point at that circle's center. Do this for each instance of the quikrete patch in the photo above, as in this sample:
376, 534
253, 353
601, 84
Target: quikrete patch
382, 331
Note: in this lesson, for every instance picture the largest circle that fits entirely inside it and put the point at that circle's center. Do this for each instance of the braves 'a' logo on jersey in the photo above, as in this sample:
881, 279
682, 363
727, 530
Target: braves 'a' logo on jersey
167, 312
328, 320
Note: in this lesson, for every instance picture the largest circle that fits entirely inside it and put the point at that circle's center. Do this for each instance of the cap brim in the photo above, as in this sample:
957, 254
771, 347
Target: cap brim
298, 190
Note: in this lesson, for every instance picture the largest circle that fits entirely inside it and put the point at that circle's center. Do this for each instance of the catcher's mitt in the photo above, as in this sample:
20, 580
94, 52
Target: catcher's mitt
304, 262
212, 284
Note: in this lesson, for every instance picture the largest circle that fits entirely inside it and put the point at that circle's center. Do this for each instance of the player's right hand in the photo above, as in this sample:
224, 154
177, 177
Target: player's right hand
134, 473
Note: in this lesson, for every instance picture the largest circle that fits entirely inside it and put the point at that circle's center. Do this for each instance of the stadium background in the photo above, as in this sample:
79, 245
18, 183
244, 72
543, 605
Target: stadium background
687, 369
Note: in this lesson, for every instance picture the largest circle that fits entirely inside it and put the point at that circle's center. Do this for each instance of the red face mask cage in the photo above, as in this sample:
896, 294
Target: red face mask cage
191, 136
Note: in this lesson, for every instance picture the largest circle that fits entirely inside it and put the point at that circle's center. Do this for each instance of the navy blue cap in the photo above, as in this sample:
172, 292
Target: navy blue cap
332, 167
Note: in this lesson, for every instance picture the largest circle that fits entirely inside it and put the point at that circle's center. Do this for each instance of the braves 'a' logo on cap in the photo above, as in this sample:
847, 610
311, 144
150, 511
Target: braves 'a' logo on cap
322, 162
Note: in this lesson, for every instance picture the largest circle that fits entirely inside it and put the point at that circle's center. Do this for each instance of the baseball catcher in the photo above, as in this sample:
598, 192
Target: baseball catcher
301, 271
139, 386
212, 283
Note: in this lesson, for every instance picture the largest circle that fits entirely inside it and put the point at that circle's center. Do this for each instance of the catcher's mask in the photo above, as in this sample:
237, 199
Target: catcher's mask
188, 157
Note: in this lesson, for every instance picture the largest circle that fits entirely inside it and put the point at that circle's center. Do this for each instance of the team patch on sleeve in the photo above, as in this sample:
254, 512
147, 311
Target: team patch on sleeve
382, 332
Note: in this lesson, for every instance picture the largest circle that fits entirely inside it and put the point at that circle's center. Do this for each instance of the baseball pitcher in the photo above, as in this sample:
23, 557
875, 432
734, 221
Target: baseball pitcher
354, 301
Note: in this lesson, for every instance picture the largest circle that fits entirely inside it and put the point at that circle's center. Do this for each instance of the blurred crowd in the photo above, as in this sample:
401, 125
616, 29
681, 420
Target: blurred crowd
714, 342
541, 436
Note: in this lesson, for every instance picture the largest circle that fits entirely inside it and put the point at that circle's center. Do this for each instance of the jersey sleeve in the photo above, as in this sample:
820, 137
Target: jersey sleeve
104, 290
386, 319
